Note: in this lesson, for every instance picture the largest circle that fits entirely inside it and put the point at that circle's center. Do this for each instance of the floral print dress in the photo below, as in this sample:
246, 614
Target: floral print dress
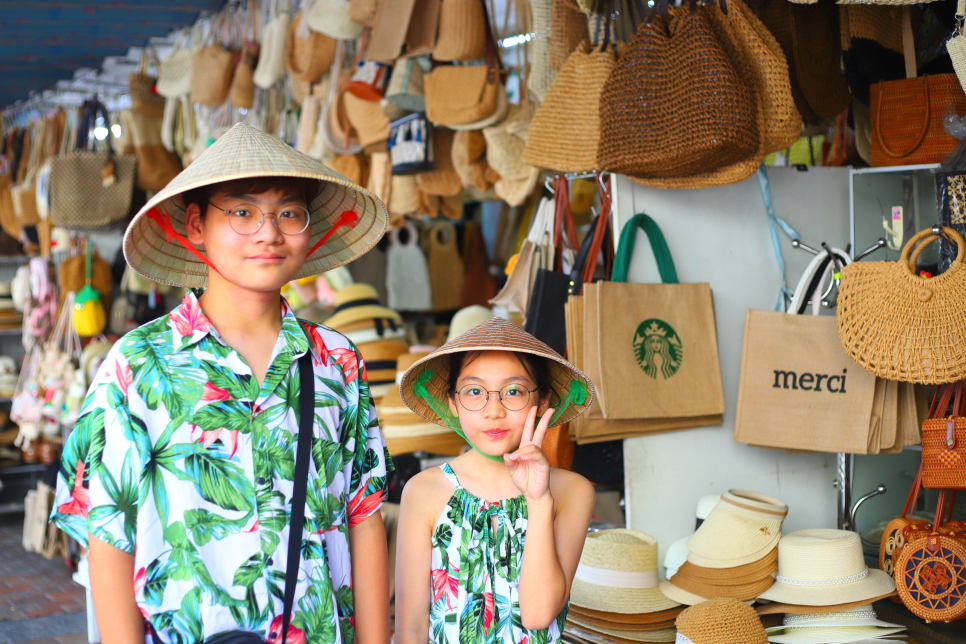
477, 554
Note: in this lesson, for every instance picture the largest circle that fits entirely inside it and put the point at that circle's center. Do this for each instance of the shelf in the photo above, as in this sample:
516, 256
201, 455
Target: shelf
32, 468
18, 331
11, 508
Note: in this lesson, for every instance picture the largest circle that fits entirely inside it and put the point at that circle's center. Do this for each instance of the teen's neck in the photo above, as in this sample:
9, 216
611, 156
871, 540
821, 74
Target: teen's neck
233, 310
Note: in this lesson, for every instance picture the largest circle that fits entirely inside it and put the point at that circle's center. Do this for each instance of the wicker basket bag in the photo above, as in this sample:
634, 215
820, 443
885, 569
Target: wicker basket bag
901, 326
308, 57
662, 115
944, 441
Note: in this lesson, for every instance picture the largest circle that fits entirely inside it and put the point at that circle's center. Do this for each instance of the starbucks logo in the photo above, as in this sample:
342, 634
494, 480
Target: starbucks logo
658, 349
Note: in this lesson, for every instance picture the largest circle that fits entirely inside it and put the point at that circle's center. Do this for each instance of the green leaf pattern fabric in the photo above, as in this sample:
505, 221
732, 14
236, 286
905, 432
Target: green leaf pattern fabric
477, 554
180, 459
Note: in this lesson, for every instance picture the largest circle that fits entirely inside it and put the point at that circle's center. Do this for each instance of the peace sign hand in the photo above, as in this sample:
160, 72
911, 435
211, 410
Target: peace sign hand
528, 465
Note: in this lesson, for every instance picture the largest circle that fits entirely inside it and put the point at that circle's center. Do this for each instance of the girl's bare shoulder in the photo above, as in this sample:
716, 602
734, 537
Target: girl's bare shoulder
570, 488
427, 490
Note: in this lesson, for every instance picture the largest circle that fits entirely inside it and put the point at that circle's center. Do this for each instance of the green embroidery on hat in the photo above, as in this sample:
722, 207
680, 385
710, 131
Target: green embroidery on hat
577, 394
658, 349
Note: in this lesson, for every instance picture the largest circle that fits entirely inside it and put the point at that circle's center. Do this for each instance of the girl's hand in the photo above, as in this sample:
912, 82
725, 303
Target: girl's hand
528, 465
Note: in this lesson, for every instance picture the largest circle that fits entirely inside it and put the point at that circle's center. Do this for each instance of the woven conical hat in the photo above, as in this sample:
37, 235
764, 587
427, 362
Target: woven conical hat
496, 334
241, 153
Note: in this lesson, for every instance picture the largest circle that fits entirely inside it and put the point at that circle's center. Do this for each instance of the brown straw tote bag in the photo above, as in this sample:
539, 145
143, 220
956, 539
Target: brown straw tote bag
901, 326
144, 95
308, 58
443, 181
212, 67
462, 31
568, 28
243, 82
565, 129
445, 265
907, 119
779, 123
677, 118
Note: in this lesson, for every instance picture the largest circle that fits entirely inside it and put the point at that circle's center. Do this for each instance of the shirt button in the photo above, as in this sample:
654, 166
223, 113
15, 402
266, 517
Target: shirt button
261, 480
270, 561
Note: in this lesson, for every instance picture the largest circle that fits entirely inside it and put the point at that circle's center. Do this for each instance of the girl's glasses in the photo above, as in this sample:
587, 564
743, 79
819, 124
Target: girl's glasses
247, 219
475, 398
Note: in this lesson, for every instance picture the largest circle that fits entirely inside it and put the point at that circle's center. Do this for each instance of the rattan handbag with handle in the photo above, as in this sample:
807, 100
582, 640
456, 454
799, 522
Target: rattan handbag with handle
213, 66
901, 326
898, 531
944, 441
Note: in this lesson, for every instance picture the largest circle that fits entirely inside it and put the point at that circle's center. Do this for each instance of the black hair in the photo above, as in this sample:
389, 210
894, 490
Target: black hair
537, 367
306, 188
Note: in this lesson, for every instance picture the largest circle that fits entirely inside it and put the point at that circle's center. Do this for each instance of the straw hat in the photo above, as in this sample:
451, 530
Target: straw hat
822, 567
677, 553
575, 390
720, 621
742, 528
589, 615
358, 302
779, 608
380, 358
664, 635
744, 583
372, 330
618, 574
844, 626
467, 318
353, 218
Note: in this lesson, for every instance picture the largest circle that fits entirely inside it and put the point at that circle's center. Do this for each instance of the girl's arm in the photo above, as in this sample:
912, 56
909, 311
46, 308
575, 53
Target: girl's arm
414, 562
370, 580
558, 514
112, 585
556, 529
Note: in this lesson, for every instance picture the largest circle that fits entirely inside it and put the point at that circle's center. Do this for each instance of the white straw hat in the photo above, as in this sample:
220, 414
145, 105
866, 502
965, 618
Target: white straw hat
863, 616
467, 318
824, 567
742, 528
618, 573
349, 218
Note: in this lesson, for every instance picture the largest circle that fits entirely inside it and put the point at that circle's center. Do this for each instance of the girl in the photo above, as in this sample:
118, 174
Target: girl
489, 542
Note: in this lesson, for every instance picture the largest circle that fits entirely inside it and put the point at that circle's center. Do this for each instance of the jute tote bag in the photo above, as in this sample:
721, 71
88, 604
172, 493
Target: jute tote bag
657, 342
799, 389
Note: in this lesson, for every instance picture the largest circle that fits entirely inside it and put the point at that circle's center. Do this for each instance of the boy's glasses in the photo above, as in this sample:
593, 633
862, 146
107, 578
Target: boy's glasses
247, 219
475, 398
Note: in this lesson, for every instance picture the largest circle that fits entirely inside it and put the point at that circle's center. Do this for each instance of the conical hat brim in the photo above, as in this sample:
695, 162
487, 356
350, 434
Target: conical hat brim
242, 153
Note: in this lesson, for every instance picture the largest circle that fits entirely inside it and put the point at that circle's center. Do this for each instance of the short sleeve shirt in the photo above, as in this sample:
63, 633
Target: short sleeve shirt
182, 460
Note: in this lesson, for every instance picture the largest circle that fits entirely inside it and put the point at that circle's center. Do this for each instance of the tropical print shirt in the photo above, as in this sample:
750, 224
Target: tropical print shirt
182, 460
477, 554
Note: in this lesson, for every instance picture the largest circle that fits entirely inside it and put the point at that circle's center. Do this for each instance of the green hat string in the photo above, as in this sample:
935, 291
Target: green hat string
576, 394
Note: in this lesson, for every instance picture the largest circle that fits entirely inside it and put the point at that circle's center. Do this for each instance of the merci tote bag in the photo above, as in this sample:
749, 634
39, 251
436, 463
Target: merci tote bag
657, 343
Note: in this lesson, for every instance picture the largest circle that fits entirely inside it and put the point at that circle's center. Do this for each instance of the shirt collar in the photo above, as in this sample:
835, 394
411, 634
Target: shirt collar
189, 325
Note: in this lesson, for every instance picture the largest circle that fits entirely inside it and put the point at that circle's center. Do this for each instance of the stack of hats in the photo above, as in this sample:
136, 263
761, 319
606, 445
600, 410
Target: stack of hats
615, 595
734, 552
677, 553
823, 572
720, 621
406, 431
859, 624
378, 332
10, 317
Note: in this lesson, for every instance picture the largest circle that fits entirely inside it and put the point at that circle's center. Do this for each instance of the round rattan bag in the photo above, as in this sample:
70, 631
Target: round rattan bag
903, 326
931, 577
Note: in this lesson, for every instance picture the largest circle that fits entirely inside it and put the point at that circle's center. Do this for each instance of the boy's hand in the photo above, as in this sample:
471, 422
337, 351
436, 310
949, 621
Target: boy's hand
528, 465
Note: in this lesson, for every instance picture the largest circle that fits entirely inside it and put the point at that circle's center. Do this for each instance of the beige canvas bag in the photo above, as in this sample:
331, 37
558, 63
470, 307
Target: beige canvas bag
271, 56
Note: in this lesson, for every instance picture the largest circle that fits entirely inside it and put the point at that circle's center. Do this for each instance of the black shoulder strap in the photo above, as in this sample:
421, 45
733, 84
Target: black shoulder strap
304, 448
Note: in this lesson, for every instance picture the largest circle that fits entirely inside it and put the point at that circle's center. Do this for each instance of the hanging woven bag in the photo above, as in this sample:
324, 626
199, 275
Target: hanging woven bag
944, 442
272, 50
900, 325
568, 28
678, 119
142, 86
461, 33
407, 275
332, 18
174, 74
442, 180
213, 66
243, 82
444, 264
505, 143
308, 54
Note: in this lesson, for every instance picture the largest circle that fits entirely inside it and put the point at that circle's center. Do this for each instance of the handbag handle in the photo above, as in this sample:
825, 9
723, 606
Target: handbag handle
563, 222
922, 131
87, 126
919, 241
625, 250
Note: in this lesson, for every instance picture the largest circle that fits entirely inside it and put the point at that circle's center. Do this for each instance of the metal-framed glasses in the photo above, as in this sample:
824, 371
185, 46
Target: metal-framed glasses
474, 398
247, 219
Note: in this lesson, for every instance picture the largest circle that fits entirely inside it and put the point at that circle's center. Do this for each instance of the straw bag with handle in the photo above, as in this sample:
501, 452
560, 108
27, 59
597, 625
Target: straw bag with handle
956, 46
213, 66
156, 165
901, 326
462, 31
308, 55
243, 81
683, 119
271, 56
333, 18
442, 180
144, 96
462, 94
174, 74
902, 529
944, 441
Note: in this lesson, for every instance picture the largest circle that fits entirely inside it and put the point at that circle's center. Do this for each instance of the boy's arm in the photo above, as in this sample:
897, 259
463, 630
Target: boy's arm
112, 584
370, 580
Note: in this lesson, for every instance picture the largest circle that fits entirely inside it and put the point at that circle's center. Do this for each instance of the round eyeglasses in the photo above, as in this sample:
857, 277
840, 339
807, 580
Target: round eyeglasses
475, 398
247, 219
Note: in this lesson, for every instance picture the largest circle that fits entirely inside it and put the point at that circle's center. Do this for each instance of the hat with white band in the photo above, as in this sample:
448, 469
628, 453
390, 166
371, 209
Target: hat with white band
720, 621
617, 573
742, 528
843, 626
825, 567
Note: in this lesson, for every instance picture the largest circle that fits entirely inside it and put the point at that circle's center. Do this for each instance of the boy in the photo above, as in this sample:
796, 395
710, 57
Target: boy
179, 473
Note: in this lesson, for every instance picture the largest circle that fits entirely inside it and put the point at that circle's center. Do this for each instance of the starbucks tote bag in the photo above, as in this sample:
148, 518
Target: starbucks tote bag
658, 348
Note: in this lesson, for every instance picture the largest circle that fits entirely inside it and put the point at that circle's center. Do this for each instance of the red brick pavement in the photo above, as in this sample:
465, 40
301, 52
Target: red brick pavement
30, 585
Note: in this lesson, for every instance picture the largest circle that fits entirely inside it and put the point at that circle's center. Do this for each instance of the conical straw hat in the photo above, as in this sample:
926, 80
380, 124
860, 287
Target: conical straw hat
355, 218
432, 372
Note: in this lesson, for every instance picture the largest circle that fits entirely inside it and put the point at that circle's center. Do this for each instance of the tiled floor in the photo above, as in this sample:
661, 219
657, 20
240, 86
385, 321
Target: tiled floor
35, 588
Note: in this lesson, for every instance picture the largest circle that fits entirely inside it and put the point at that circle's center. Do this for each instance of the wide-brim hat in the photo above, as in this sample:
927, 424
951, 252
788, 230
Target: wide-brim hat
467, 318
720, 621
632, 619
821, 567
380, 359
742, 528
431, 374
357, 303
779, 608
621, 637
618, 573
349, 218
861, 616
685, 597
